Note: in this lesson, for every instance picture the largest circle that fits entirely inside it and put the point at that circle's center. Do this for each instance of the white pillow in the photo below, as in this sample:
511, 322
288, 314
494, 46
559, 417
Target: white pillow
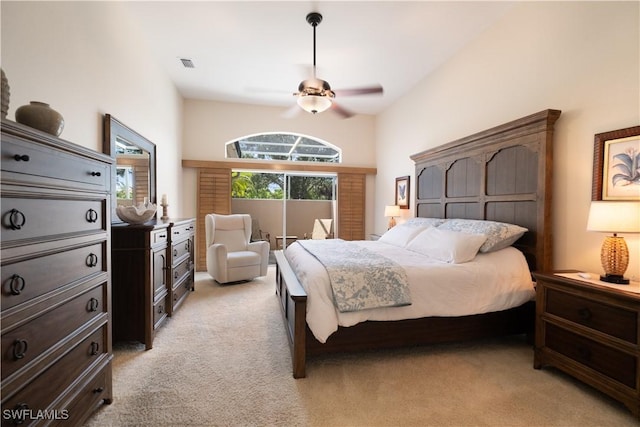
401, 234
424, 222
499, 234
448, 246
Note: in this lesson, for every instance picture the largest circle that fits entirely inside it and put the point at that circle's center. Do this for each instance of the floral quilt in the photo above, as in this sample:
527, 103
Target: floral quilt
360, 279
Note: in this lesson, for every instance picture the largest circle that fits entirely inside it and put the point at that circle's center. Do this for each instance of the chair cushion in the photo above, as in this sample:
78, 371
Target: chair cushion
234, 240
243, 259
229, 222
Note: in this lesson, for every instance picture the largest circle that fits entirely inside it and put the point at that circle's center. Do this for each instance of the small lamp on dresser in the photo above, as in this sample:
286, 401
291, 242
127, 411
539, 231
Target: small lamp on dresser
614, 217
391, 212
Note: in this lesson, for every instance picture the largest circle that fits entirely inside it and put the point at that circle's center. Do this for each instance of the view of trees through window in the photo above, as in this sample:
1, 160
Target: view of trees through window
258, 185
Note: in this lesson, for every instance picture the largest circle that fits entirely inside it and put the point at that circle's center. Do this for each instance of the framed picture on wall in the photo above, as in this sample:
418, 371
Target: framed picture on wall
402, 192
616, 165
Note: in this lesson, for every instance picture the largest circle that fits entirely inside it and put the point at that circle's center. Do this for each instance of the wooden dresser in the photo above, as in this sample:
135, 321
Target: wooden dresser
152, 272
56, 289
590, 331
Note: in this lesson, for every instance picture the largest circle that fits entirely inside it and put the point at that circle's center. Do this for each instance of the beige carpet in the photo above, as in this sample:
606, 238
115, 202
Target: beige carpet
223, 360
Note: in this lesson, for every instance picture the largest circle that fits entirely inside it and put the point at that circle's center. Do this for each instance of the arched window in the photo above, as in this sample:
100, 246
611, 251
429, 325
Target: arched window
284, 147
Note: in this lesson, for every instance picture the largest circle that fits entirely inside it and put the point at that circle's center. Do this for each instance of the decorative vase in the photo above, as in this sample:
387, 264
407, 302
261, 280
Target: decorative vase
39, 115
5, 95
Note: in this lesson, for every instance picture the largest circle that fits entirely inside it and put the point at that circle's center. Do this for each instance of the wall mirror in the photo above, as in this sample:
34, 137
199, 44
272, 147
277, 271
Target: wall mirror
134, 169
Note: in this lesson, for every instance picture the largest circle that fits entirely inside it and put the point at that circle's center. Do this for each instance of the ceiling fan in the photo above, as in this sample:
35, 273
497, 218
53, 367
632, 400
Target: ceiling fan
315, 95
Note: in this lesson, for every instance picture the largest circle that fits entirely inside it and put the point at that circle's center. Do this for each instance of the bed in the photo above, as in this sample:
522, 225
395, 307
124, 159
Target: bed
502, 174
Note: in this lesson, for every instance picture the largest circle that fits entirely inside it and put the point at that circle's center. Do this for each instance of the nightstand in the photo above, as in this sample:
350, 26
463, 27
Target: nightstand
590, 330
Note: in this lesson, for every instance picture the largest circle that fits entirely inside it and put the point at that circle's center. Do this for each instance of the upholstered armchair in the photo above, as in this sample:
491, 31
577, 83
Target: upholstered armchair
231, 256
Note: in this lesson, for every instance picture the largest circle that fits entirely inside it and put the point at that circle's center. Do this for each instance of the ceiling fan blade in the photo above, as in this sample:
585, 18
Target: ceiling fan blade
341, 111
371, 90
291, 112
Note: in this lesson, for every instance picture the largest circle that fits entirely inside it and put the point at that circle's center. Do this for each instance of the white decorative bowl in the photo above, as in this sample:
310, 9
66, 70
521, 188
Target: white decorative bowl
136, 214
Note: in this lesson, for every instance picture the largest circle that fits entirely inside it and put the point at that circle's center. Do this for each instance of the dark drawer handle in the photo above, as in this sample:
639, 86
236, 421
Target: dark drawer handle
160, 309
96, 174
91, 216
93, 305
186, 245
94, 348
19, 415
17, 220
20, 348
92, 260
584, 313
175, 252
21, 158
98, 390
17, 284
176, 274
162, 235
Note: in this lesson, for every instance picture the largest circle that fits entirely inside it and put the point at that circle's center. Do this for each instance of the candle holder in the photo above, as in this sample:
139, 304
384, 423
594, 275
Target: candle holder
165, 212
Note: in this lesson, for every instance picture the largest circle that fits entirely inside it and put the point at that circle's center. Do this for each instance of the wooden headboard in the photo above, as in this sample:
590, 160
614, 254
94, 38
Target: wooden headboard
500, 174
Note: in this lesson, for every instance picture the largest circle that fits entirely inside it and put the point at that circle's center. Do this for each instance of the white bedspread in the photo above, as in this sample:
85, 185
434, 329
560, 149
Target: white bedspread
491, 282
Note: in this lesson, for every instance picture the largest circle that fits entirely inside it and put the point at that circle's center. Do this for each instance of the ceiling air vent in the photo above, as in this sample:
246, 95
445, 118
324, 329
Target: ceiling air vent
187, 63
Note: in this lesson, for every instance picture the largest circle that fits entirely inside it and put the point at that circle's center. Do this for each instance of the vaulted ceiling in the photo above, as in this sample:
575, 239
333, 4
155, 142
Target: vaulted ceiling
258, 52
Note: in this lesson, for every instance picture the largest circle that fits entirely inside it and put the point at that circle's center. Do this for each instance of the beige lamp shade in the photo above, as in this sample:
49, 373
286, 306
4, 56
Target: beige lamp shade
390, 212
614, 217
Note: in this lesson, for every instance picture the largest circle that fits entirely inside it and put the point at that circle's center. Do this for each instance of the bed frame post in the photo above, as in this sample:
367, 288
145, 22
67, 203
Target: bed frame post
293, 304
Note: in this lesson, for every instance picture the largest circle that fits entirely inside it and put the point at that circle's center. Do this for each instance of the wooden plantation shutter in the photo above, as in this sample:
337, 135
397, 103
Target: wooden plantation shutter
214, 196
351, 205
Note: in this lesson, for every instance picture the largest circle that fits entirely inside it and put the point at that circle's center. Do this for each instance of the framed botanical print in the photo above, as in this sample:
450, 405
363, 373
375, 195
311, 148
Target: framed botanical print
402, 192
616, 165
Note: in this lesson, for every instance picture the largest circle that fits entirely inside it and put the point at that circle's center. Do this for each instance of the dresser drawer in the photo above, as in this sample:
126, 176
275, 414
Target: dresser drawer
22, 345
611, 320
181, 249
44, 219
181, 270
180, 292
41, 393
613, 363
182, 231
159, 236
22, 281
95, 392
33, 163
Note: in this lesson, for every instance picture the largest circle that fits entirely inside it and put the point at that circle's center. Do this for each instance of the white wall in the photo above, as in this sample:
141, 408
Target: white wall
209, 125
86, 59
579, 57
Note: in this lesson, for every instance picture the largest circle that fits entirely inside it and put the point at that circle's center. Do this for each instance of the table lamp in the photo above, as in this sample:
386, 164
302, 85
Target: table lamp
614, 217
391, 212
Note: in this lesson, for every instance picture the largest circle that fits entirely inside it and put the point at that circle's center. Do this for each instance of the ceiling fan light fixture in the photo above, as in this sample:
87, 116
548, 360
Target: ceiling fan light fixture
314, 103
